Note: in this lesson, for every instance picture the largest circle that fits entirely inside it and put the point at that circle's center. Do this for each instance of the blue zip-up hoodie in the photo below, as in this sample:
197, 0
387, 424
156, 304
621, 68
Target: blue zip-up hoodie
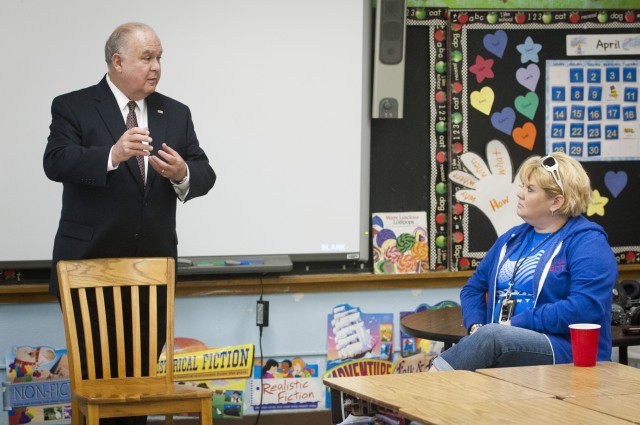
573, 283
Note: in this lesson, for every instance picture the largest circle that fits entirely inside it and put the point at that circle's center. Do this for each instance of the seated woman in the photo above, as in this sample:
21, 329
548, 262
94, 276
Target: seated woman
555, 269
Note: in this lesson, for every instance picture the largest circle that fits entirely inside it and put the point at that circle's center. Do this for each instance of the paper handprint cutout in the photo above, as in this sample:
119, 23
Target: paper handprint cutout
491, 188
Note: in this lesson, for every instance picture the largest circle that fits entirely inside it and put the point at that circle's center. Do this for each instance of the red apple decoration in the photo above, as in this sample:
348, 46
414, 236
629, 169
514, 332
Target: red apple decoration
439, 35
520, 18
463, 18
574, 17
440, 157
630, 16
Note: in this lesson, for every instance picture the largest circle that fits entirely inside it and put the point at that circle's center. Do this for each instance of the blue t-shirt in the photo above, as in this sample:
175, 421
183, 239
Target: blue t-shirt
524, 261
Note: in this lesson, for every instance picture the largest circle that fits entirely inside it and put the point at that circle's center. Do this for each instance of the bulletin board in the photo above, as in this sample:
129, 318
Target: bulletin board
525, 83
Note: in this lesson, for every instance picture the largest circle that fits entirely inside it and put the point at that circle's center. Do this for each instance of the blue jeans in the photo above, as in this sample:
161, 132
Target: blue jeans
495, 345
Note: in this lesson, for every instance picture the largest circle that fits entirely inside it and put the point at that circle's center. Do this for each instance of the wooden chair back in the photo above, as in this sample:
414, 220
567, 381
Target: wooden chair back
106, 303
116, 276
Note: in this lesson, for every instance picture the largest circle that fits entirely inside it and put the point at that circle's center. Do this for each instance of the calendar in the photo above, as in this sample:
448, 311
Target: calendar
592, 109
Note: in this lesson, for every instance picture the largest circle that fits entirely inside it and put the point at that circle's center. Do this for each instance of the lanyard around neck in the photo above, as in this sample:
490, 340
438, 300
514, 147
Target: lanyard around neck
519, 263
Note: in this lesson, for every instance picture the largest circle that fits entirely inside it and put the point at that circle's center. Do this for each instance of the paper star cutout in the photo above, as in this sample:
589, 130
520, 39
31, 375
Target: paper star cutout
529, 50
597, 205
482, 68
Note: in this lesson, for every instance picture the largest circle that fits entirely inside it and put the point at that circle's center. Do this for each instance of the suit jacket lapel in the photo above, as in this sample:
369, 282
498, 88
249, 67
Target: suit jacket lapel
112, 117
109, 111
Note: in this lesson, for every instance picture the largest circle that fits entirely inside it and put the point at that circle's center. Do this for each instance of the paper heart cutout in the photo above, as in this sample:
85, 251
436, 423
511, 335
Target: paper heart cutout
504, 120
527, 105
482, 100
496, 43
525, 136
615, 182
529, 76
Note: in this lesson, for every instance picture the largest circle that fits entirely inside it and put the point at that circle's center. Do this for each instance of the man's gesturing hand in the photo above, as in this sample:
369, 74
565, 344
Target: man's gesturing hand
133, 142
168, 163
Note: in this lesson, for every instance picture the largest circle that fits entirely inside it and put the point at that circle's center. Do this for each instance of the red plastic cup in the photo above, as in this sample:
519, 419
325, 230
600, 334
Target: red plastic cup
584, 343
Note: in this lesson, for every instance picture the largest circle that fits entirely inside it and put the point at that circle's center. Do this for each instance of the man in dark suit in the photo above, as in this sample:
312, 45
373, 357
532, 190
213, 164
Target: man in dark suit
111, 205
107, 208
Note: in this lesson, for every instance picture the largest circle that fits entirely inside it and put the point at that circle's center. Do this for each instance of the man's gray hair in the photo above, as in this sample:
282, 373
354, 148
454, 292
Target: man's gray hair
119, 37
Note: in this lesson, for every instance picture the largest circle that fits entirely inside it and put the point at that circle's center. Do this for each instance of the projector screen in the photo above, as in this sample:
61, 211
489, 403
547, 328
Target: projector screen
279, 92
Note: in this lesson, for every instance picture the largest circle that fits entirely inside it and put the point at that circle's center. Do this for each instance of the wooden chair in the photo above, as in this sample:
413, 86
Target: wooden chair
106, 391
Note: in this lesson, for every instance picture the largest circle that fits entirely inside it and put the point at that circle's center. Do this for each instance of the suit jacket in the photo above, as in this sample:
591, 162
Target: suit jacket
111, 214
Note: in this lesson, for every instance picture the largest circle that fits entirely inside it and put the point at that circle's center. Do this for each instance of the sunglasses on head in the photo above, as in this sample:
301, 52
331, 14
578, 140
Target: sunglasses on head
550, 164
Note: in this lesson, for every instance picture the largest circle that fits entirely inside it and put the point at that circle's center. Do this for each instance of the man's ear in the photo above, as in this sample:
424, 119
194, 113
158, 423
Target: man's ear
116, 61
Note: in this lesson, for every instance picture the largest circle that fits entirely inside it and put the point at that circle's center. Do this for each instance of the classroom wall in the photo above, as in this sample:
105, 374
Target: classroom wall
297, 322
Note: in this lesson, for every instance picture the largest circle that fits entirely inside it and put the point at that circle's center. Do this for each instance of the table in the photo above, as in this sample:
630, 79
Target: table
440, 324
568, 381
520, 412
445, 324
491, 396
622, 341
626, 406
435, 392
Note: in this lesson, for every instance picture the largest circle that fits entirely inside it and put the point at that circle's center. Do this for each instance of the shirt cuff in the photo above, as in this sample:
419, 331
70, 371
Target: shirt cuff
182, 187
110, 166
184, 183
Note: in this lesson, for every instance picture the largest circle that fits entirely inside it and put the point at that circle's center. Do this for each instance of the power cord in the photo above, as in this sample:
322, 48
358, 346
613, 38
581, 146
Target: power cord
261, 376
262, 320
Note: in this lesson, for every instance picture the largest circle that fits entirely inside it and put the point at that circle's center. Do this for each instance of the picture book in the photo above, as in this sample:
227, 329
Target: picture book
400, 242
37, 385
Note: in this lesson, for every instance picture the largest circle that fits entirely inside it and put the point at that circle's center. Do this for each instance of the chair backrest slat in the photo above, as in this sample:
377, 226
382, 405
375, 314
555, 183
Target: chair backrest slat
119, 321
104, 342
88, 333
135, 320
153, 324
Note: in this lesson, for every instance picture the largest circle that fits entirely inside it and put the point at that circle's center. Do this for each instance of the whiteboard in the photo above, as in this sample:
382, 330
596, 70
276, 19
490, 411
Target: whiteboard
279, 92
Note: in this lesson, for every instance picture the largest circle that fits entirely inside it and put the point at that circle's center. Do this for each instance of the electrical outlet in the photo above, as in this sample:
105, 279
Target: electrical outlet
262, 313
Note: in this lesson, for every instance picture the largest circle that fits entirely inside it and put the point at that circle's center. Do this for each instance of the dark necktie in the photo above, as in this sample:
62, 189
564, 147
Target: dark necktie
132, 121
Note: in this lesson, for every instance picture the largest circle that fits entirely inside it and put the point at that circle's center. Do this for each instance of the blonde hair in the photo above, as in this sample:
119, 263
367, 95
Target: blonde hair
575, 181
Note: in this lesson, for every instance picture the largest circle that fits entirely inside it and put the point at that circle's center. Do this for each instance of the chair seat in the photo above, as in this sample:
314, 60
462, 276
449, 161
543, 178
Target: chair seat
131, 390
